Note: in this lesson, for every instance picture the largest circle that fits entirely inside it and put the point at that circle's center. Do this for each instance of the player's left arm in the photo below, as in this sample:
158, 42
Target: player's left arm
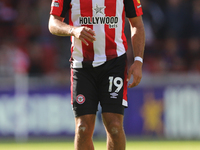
138, 43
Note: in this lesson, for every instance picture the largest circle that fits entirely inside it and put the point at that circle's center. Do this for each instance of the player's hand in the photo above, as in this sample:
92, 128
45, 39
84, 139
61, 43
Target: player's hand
135, 71
84, 34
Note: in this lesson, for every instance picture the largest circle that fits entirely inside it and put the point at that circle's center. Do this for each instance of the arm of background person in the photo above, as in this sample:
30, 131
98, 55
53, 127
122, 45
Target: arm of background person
138, 43
60, 28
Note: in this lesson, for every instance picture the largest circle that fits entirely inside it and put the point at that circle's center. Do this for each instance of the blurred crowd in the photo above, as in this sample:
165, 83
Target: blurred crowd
172, 38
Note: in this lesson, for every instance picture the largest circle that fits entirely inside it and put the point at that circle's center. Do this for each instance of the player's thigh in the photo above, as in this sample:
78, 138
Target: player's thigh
113, 121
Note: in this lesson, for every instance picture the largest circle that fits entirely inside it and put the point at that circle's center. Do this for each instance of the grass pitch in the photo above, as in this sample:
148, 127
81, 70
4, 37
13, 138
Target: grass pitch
131, 145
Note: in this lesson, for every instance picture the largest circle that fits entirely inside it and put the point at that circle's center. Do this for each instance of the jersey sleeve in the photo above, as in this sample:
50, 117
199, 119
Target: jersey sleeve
60, 7
133, 8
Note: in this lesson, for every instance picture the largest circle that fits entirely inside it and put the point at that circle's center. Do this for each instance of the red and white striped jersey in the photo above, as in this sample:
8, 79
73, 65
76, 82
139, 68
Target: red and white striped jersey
106, 18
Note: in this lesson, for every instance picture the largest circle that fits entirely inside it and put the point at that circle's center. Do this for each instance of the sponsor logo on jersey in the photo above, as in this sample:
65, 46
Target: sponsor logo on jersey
111, 20
55, 4
113, 95
139, 3
98, 9
139, 6
98, 20
80, 99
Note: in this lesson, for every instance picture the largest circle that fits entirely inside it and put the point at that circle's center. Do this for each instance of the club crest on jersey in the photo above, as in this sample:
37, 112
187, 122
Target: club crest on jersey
80, 99
111, 21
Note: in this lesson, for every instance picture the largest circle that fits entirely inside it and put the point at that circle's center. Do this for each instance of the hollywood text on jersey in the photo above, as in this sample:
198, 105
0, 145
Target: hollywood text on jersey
111, 21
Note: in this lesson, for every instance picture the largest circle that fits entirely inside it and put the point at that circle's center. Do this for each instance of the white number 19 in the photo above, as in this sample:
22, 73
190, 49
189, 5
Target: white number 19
118, 82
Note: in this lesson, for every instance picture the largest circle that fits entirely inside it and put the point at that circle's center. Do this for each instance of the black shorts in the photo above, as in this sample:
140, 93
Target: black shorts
106, 84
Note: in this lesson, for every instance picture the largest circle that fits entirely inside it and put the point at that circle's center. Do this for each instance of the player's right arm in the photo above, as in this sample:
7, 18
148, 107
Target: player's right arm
60, 28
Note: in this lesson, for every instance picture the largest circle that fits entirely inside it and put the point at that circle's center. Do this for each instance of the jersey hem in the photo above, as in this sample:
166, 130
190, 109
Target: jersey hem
78, 64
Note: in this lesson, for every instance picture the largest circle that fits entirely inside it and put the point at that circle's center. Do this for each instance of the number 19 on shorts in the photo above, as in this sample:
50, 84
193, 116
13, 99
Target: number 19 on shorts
117, 82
